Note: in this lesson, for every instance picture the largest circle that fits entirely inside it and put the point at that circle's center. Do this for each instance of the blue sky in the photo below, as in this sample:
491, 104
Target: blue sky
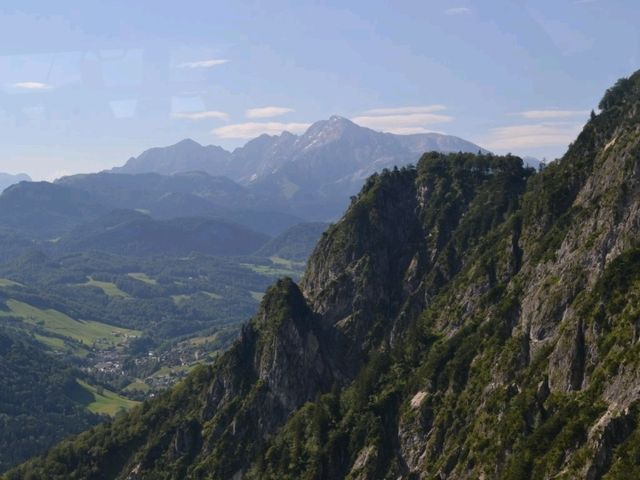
85, 84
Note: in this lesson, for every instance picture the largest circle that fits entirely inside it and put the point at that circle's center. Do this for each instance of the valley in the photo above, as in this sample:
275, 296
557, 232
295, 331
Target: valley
320, 240
128, 326
467, 317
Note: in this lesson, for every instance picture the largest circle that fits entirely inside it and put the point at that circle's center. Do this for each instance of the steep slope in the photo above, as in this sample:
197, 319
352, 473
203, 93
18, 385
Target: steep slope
185, 156
316, 172
465, 319
520, 362
276, 365
39, 404
7, 179
295, 243
290, 352
127, 232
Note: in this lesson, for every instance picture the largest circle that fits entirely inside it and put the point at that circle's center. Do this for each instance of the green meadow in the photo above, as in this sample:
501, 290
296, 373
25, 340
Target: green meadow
88, 333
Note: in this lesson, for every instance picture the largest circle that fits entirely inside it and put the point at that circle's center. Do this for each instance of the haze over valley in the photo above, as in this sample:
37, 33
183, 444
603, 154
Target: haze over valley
311, 240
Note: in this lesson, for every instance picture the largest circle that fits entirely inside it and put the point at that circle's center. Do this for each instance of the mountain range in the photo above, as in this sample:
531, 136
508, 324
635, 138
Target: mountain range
310, 175
268, 186
127, 232
466, 318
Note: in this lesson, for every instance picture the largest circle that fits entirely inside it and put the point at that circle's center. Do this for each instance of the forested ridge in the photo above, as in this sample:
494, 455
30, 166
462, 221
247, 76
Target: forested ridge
466, 318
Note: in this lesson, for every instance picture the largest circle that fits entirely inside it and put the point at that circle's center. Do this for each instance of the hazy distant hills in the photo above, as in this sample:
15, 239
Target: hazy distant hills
188, 197
184, 156
189, 194
7, 179
310, 175
127, 232
46, 210
337, 146
165, 196
295, 243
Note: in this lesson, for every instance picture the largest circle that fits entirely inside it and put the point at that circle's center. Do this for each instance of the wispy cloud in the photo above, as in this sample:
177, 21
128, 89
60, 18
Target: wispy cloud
513, 137
403, 120
551, 114
267, 112
32, 85
411, 130
568, 40
458, 11
405, 110
254, 129
212, 62
202, 115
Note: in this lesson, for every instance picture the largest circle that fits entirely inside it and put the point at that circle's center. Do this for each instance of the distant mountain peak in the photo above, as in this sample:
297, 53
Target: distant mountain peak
320, 167
188, 141
325, 131
186, 155
338, 118
8, 179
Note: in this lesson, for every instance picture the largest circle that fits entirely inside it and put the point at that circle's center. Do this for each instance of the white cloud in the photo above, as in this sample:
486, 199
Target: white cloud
457, 11
202, 115
213, 62
514, 137
551, 114
406, 110
411, 130
254, 129
412, 119
32, 85
267, 112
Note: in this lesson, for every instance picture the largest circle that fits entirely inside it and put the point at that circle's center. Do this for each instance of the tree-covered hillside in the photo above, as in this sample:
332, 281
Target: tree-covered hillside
39, 400
466, 318
295, 243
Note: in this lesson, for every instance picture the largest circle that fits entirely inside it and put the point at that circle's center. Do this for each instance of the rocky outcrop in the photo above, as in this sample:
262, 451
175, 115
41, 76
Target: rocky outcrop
467, 318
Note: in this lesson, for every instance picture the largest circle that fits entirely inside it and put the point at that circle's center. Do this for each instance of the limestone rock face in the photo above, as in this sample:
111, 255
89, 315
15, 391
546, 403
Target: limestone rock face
467, 318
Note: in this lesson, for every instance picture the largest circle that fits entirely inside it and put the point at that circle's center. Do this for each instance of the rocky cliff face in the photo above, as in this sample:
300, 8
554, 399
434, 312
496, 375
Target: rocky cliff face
467, 318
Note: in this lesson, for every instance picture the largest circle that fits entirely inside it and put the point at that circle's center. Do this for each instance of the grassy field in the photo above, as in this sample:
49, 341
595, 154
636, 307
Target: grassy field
108, 288
172, 370
103, 402
53, 342
138, 385
280, 267
197, 341
272, 271
179, 299
88, 333
289, 264
143, 277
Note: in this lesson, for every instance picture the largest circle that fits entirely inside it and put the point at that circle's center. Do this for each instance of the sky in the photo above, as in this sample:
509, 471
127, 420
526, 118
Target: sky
84, 85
